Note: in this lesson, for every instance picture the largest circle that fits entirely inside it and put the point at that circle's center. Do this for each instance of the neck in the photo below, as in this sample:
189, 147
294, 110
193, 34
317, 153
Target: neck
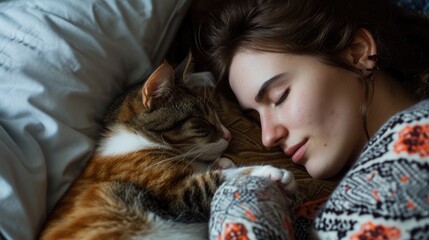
388, 99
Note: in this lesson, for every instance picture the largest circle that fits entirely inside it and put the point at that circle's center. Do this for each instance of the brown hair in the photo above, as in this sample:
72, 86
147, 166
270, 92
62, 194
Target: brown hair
322, 28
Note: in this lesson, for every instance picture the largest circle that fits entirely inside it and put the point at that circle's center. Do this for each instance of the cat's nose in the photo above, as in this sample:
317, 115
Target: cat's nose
226, 134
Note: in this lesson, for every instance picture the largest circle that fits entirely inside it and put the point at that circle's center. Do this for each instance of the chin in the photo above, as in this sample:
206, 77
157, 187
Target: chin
319, 172
326, 166
316, 175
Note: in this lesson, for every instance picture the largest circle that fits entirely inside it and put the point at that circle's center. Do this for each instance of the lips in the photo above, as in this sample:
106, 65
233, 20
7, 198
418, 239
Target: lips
297, 151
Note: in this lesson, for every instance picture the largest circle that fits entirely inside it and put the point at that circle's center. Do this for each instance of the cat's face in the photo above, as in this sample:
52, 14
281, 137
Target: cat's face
175, 116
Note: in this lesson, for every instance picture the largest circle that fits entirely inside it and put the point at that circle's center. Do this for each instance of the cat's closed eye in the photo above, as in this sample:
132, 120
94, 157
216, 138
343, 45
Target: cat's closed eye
202, 127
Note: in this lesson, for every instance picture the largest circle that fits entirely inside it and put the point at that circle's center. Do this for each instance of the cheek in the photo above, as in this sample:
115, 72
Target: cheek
319, 114
335, 104
307, 109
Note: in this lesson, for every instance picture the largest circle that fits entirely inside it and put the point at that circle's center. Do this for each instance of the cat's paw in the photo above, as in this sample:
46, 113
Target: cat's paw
282, 176
223, 163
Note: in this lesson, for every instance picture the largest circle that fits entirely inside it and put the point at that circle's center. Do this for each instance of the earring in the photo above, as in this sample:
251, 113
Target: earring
373, 58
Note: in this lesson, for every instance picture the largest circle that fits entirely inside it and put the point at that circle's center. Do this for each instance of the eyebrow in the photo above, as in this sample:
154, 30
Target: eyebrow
263, 90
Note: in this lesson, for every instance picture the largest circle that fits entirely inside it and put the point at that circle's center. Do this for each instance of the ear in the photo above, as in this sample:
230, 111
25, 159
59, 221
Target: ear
158, 86
362, 48
184, 68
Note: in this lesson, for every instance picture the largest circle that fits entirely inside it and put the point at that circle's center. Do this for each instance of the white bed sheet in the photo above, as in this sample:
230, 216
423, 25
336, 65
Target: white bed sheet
61, 64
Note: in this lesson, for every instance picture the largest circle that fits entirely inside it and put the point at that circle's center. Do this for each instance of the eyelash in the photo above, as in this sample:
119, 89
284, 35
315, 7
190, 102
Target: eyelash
283, 97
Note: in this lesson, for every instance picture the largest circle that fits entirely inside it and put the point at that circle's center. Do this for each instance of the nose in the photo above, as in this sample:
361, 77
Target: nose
273, 131
226, 134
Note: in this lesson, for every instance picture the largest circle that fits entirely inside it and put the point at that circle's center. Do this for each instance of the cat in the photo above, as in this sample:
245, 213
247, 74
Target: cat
151, 176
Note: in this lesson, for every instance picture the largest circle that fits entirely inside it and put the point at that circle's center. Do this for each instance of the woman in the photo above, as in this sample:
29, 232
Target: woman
340, 86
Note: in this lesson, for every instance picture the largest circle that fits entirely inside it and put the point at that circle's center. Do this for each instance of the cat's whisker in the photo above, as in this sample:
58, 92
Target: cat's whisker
165, 160
189, 163
212, 94
195, 158
192, 151
199, 153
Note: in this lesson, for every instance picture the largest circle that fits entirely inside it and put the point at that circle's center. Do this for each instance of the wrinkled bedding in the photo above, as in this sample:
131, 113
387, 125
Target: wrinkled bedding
61, 64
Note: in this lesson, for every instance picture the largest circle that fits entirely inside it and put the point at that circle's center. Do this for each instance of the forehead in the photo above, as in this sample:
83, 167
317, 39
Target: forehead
250, 69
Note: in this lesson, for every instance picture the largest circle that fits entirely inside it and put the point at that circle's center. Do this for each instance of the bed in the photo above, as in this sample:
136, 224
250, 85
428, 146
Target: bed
63, 62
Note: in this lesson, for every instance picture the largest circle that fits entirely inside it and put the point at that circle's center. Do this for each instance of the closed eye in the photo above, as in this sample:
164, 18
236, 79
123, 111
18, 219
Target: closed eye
202, 132
283, 97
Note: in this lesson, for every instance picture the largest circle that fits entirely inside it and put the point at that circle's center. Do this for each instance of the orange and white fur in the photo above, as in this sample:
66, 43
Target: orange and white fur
152, 174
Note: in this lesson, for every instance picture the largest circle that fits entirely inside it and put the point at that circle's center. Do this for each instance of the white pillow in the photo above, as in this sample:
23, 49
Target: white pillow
61, 64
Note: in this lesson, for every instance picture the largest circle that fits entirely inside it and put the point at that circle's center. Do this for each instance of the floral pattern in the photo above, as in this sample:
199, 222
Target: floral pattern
250, 207
413, 140
234, 231
371, 231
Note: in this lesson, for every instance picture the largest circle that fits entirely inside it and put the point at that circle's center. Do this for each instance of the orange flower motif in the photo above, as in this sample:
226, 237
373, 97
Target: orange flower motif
235, 231
411, 205
236, 195
404, 179
373, 231
373, 174
413, 140
250, 215
374, 193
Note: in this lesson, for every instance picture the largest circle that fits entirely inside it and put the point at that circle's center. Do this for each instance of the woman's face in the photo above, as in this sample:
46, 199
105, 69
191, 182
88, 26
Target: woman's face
310, 109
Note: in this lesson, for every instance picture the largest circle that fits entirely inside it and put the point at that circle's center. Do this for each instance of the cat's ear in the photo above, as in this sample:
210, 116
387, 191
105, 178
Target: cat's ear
159, 86
184, 69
